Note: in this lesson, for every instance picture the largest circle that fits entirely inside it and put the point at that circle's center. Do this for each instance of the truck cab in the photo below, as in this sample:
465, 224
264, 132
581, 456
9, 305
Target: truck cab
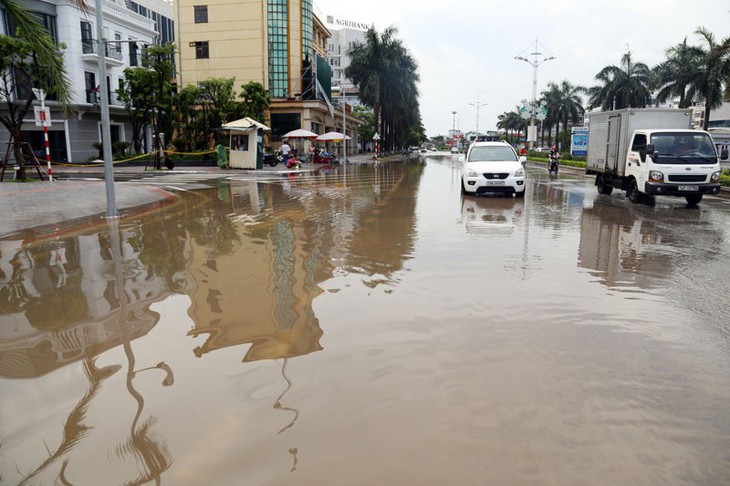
672, 163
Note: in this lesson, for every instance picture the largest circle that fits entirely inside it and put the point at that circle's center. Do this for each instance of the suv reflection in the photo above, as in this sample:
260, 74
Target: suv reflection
491, 215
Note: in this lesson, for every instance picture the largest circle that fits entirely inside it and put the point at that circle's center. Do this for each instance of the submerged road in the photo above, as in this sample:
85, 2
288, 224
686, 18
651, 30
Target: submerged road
370, 325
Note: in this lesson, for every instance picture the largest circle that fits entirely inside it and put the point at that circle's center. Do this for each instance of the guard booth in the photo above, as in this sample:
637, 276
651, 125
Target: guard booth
246, 141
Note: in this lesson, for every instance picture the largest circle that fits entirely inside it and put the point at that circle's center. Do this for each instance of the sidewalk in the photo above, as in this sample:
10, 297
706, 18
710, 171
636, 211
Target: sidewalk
79, 192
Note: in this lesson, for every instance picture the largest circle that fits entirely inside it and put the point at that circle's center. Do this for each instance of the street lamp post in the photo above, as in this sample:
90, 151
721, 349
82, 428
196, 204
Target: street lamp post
344, 129
454, 127
534, 63
106, 138
478, 104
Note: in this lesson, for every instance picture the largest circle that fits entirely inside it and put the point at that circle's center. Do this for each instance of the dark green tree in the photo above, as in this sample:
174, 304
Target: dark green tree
622, 86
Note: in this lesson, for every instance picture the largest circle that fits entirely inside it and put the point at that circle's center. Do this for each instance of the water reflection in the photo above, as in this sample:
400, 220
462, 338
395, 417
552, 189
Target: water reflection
640, 245
251, 256
491, 215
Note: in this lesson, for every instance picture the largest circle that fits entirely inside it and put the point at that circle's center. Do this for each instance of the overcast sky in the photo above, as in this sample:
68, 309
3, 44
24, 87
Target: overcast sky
465, 49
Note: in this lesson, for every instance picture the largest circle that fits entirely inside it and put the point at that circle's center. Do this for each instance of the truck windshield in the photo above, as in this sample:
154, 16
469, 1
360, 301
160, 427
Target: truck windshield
684, 147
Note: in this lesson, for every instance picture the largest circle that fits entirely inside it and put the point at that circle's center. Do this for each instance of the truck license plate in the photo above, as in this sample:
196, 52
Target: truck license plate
689, 188
495, 183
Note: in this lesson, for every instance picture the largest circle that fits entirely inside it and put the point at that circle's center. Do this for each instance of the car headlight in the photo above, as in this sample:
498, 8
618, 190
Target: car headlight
520, 173
656, 176
715, 176
471, 172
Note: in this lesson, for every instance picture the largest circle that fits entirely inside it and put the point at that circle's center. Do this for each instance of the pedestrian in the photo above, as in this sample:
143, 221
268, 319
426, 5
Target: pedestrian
523, 151
285, 151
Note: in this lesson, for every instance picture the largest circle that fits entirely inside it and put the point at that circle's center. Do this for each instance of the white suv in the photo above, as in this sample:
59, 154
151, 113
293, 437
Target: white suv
493, 167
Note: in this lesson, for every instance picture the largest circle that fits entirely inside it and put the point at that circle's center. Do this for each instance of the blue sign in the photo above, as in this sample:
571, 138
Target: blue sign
579, 141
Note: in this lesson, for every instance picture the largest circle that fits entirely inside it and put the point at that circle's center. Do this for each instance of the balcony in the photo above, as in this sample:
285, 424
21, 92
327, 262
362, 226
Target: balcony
92, 97
89, 49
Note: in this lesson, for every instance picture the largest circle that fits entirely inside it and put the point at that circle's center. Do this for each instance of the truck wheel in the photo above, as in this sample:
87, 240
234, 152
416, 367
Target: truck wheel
694, 199
634, 195
602, 187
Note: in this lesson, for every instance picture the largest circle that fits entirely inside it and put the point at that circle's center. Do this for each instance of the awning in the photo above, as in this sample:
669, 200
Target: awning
245, 124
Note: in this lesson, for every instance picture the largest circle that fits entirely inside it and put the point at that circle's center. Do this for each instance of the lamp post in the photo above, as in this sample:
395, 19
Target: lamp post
454, 127
478, 104
534, 63
106, 137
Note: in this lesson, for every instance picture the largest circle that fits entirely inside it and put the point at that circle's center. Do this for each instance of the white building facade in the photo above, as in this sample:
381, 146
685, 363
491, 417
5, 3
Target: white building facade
72, 137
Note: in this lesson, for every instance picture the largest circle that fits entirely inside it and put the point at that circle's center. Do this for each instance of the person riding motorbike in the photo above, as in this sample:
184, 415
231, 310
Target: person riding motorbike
553, 159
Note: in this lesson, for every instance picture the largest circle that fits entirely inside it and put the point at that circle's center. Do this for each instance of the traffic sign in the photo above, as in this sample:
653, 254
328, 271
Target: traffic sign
376, 136
39, 120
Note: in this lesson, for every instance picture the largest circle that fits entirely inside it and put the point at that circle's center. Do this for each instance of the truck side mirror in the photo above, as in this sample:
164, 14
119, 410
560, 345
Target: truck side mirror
723, 154
651, 150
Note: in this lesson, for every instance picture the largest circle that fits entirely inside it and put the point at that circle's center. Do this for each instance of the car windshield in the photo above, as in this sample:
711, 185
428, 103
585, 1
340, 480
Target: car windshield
673, 147
492, 154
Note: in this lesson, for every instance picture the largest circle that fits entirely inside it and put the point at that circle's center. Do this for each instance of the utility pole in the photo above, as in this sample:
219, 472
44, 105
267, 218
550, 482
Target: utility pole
534, 63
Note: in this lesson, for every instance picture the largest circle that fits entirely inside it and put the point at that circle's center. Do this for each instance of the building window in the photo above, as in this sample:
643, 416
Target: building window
87, 40
118, 42
133, 54
201, 50
278, 20
91, 89
201, 14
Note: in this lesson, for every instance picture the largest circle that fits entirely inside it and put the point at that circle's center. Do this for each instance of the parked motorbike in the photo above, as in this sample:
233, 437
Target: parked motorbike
323, 158
273, 159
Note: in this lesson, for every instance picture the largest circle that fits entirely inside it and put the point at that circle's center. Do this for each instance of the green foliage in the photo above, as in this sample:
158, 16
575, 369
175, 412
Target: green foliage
387, 77
254, 101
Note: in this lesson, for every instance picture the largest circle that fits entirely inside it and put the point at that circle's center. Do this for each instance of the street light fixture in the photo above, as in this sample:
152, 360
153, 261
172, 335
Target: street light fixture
534, 63
478, 104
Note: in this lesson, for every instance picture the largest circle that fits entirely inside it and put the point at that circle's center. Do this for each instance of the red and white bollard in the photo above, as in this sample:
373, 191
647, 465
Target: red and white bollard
45, 138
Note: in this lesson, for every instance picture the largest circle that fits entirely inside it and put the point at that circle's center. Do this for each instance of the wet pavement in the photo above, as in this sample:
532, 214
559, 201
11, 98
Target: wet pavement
369, 325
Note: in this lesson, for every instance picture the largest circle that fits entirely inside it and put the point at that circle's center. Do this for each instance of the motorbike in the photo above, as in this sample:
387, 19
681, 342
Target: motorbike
553, 165
323, 158
273, 159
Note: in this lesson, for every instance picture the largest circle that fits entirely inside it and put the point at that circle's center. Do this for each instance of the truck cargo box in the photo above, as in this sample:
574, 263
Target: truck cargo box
609, 134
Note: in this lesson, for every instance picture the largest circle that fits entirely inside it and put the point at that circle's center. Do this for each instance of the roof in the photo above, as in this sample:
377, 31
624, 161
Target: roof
244, 124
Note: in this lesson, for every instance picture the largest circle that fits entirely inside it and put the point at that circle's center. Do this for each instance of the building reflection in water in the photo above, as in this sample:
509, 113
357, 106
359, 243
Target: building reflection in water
252, 274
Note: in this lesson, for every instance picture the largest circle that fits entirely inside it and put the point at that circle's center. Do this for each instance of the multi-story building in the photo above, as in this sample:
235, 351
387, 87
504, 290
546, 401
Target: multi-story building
72, 138
345, 35
278, 43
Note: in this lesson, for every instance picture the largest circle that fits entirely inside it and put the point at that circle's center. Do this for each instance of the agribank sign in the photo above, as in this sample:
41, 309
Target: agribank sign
348, 24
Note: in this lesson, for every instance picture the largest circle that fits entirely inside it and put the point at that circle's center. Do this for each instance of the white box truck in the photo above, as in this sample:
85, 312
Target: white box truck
650, 152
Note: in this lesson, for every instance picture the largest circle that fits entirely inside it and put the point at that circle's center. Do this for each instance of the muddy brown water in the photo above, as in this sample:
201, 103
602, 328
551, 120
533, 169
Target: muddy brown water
371, 326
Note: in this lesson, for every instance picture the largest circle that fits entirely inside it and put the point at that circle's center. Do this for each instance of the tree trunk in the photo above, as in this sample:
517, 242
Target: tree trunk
17, 137
706, 121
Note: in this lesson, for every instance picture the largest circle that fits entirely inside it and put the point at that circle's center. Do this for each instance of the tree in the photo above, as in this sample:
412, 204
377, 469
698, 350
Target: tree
43, 47
511, 122
712, 80
387, 77
254, 100
137, 93
623, 86
19, 70
366, 130
674, 76
568, 106
218, 102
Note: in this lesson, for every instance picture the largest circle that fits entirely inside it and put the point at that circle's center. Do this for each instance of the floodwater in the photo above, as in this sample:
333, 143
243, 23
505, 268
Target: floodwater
371, 326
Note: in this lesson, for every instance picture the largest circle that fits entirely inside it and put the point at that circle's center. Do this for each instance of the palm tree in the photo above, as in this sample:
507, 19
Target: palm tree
622, 86
511, 121
674, 76
569, 106
42, 44
712, 80
387, 77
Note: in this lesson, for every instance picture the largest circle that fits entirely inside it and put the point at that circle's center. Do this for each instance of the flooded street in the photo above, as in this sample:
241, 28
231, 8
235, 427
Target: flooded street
371, 326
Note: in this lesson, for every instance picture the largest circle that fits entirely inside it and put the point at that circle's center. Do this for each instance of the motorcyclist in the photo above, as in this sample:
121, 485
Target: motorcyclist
553, 157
